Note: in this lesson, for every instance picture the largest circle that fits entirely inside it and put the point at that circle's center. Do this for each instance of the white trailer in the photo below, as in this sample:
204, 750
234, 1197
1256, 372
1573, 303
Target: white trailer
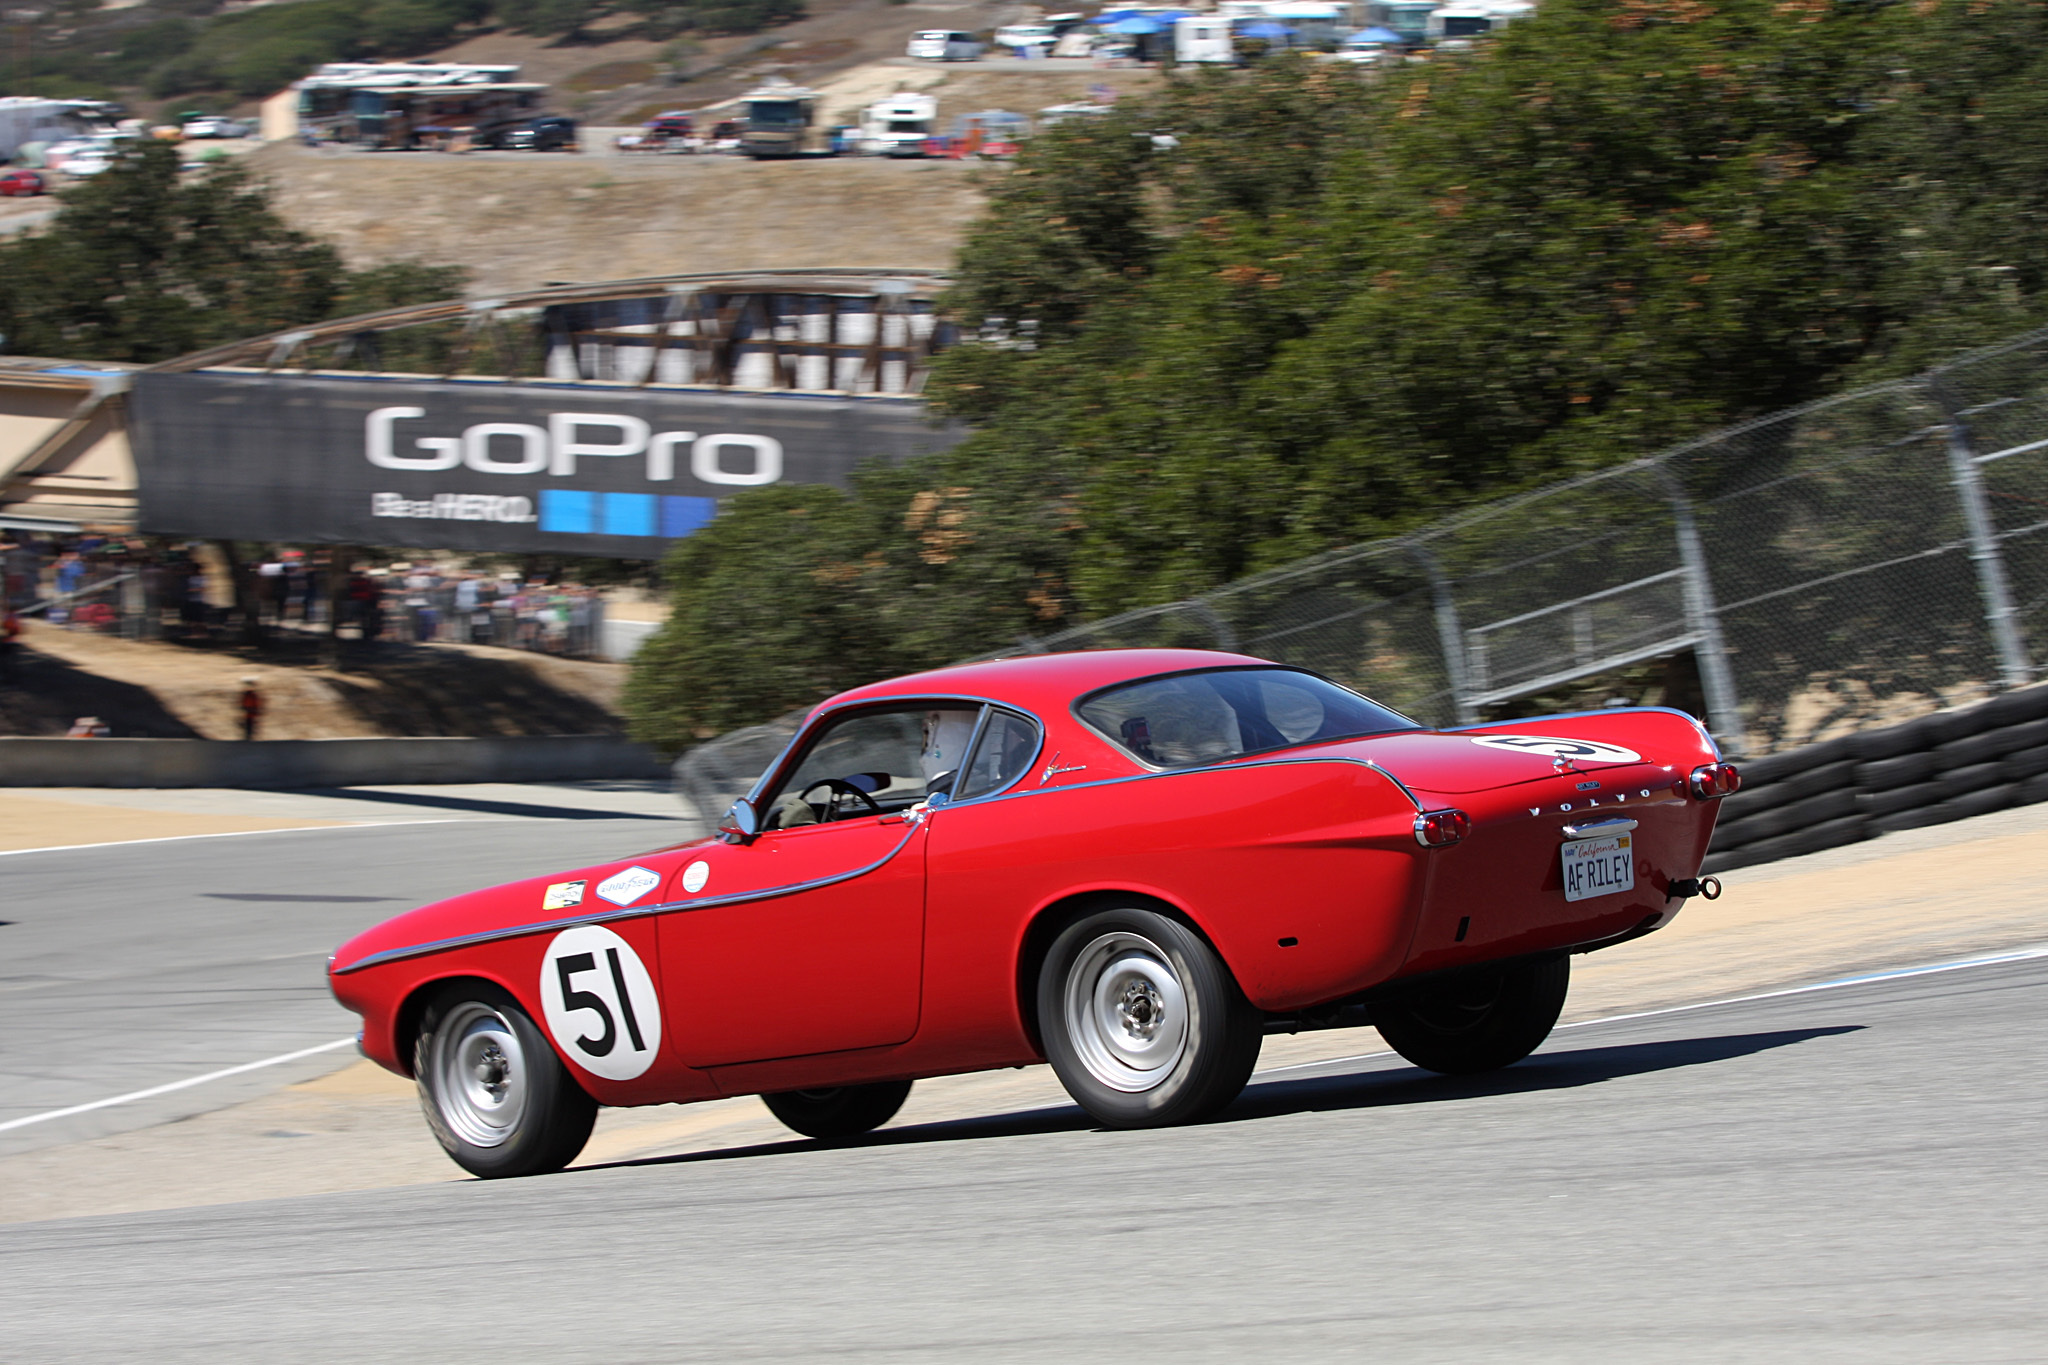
1202, 38
26, 121
899, 124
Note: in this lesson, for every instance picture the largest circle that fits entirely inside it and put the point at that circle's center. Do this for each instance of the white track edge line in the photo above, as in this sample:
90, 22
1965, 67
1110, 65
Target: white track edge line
1867, 978
1991, 960
243, 833
187, 1083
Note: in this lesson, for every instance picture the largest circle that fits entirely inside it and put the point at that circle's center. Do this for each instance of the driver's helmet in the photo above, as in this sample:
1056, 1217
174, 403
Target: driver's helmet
946, 735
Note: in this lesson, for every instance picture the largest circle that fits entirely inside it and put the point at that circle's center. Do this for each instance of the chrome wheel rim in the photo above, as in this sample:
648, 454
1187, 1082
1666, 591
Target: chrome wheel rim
479, 1075
1127, 1012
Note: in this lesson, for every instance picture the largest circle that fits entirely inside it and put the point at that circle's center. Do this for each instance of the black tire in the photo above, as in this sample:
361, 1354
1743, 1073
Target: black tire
528, 1116
842, 1111
1142, 1021
1479, 1021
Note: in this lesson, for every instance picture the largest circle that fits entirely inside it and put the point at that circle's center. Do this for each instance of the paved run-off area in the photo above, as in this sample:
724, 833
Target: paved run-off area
133, 966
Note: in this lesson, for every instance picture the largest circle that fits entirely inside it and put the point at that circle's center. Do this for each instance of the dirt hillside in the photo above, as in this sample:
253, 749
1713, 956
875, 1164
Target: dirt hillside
168, 690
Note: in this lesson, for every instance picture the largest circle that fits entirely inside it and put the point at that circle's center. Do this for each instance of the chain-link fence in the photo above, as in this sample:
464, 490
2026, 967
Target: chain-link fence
1838, 566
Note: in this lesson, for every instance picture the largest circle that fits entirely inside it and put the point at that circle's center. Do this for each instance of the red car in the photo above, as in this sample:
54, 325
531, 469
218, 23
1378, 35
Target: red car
1130, 864
20, 184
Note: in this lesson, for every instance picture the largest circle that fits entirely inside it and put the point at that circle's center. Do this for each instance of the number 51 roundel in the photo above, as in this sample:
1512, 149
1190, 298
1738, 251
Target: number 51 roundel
599, 1002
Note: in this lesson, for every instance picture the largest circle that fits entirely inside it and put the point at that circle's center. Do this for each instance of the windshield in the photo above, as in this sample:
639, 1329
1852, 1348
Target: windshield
1209, 717
1471, 27
776, 113
908, 125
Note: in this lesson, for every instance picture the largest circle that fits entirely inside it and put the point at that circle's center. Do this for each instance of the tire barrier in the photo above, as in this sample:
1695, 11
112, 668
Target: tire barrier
1949, 765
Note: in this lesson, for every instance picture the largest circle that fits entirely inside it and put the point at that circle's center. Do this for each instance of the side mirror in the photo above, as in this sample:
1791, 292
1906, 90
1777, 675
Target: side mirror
741, 823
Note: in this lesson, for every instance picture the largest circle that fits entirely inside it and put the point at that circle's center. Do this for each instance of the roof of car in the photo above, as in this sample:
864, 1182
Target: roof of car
1045, 682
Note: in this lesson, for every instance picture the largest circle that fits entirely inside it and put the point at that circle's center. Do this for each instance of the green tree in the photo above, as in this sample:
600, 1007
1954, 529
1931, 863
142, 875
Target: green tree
143, 264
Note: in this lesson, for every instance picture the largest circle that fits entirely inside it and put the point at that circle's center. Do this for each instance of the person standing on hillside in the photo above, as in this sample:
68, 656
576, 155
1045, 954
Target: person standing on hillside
252, 708
10, 631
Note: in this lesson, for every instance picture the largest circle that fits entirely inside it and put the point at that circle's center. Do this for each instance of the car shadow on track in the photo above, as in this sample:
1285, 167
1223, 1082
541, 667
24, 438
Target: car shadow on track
1373, 1089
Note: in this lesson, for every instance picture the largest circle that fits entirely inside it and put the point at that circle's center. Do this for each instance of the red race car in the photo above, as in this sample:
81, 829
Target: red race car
1131, 864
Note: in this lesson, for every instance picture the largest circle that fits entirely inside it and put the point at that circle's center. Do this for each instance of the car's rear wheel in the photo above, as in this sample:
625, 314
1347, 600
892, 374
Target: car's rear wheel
841, 1111
1477, 1021
498, 1099
1143, 1022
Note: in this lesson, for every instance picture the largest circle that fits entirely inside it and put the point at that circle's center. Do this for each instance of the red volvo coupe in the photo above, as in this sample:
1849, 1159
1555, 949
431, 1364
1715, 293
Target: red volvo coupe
1131, 864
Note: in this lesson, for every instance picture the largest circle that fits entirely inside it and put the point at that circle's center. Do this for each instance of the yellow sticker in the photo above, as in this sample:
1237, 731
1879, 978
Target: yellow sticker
562, 895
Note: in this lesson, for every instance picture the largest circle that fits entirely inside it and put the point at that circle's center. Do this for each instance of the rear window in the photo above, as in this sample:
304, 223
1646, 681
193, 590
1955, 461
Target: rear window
1190, 718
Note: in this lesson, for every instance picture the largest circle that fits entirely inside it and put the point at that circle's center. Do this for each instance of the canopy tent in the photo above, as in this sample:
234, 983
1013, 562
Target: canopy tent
1137, 24
1367, 37
1271, 32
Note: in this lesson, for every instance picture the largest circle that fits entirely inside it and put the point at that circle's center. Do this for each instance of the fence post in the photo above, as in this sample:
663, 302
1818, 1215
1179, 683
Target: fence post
1717, 680
1968, 478
1450, 634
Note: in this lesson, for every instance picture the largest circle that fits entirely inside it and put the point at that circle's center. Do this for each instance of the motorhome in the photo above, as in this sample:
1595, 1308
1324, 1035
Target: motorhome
944, 45
1408, 18
1457, 25
1315, 23
1202, 38
386, 104
36, 123
779, 118
899, 125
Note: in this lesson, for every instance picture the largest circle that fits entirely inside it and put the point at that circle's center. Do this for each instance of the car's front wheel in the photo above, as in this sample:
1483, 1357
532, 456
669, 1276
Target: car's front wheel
841, 1111
498, 1099
1142, 1021
1477, 1021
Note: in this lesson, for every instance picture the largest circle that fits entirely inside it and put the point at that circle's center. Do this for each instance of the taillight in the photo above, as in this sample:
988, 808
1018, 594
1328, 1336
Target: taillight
1715, 780
1436, 828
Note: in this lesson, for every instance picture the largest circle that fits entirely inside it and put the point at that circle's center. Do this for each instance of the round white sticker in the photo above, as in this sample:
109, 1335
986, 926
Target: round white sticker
695, 875
1545, 746
600, 1003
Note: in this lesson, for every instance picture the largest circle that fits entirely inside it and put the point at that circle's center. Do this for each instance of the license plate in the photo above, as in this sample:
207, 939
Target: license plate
1598, 867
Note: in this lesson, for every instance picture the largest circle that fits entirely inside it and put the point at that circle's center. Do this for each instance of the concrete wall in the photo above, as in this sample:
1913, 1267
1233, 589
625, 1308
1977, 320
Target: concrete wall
300, 763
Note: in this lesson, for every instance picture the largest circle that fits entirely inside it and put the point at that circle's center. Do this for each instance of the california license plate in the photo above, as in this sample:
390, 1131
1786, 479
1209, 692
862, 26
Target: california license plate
1598, 867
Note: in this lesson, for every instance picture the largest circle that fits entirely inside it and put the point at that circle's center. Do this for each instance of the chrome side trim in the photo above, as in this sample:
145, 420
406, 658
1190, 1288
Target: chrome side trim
630, 912
1597, 827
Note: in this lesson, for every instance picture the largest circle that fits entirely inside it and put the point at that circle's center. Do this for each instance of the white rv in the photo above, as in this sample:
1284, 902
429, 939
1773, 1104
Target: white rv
1202, 38
30, 122
898, 125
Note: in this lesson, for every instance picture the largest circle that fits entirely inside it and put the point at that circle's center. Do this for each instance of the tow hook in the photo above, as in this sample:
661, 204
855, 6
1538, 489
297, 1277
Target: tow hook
1706, 887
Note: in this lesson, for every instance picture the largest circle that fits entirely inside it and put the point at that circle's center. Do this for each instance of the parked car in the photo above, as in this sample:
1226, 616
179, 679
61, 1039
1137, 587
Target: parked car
214, 125
90, 161
1131, 864
941, 45
1011, 37
544, 133
21, 184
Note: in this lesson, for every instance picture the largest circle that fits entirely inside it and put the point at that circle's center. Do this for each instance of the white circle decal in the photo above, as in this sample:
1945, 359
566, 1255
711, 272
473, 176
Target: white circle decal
695, 875
600, 1003
1544, 746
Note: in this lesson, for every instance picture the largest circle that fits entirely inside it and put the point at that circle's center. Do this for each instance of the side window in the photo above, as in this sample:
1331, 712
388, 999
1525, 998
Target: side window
1007, 744
873, 762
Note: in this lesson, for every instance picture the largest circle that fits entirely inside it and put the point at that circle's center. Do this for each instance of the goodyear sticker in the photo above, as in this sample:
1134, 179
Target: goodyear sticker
623, 888
562, 895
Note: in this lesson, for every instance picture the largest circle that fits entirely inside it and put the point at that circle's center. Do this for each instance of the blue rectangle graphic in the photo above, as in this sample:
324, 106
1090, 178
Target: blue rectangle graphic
680, 515
628, 514
568, 509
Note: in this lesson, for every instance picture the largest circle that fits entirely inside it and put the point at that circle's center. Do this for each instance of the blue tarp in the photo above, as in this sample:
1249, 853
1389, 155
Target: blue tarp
1372, 35
1137, 23
1266, 30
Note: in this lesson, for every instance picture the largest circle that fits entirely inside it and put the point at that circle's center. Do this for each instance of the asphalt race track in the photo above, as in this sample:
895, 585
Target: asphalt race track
134, 965
1849, 1174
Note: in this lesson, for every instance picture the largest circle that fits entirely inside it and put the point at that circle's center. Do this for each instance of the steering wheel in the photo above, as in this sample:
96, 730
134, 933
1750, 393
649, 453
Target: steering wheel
838, 787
